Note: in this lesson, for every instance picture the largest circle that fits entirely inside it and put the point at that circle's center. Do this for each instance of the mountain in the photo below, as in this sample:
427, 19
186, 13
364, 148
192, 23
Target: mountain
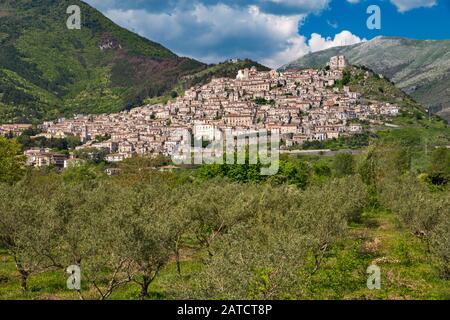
420, 68
47, 70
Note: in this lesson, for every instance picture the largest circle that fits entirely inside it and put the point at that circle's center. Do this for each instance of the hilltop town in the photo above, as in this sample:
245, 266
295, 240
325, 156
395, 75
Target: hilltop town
304, 105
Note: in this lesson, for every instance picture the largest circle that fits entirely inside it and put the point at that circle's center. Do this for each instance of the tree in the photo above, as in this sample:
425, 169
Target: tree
440, 244
142, 165
25, 138
440, 166
296, 174
11, 161
322, 169
86, 174
146, 221
180, 219
27, 230
384, 162
260, 255
325, 211
255, 261
102, 138
93, 155
214, 207
92, 235
423, 212
417, 208
344, 165
209, 171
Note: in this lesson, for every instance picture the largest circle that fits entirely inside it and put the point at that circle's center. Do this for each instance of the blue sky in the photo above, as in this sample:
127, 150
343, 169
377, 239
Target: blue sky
273, 32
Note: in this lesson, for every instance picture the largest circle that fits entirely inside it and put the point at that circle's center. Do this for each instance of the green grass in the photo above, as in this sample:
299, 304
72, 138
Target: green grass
420, 139
406, 269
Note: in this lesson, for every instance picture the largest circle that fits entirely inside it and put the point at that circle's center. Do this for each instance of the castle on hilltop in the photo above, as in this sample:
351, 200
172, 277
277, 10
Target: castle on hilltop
338, 63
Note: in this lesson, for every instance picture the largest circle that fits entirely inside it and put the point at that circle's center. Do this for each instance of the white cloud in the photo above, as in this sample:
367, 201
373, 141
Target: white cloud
213, 33
306, 5
345, 38
406, 5
218, 32
268, 6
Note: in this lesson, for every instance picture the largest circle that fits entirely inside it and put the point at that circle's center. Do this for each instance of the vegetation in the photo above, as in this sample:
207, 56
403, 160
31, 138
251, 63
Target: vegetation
227, 69
11, 161
61, 145
346, 78
48, 71
356, 141
439, 167
224, 232
263, 102
217, 231
344, 164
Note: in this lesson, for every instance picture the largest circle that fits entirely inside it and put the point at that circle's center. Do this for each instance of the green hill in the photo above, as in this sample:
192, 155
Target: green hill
227, 69
47, 70
420, 68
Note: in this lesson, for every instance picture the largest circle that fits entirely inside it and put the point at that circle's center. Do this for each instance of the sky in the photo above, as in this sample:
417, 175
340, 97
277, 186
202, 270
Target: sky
273, 32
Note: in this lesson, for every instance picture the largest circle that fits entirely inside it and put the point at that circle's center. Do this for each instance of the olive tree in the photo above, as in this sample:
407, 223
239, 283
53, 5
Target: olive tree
214, 207
92, 236
261, 254
180, 220
344, 164
26, 230
255, 260
425, 213
440, 244
325, 210
149, 231
417, 207
384, 162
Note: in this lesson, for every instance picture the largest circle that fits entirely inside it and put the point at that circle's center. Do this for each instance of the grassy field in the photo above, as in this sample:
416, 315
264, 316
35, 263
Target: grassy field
406, 269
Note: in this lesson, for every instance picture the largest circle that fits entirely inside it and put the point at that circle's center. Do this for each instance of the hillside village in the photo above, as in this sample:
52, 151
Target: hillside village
304, 105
